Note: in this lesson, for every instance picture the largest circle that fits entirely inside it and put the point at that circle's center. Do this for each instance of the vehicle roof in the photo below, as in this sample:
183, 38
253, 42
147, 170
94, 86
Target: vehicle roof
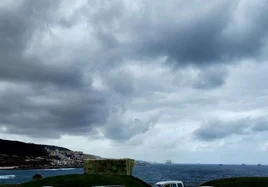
166, 182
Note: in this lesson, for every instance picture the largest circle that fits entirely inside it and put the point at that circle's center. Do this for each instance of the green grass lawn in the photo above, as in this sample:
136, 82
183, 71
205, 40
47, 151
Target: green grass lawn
86, 181
239, 182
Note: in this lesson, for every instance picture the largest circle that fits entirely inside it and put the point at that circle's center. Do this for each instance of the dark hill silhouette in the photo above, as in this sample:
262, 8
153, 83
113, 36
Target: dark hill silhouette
10, 147
14, 153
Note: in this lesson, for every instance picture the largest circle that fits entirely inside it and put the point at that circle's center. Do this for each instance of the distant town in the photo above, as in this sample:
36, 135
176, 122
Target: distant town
56, 158
21, 155
15, 154
68, 158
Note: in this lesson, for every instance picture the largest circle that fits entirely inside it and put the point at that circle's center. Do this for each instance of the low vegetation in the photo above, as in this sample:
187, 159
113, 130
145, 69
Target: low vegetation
239, 182
84, 181
37, 177
130, 181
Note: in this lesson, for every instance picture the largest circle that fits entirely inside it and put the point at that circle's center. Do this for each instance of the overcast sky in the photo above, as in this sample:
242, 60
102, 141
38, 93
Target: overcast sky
151, 80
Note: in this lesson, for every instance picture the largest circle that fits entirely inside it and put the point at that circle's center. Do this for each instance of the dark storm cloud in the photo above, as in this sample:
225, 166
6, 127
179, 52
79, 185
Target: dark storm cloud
195, 33
54, 112
225, 31
187, 32
38, 98
17, 29
33, 70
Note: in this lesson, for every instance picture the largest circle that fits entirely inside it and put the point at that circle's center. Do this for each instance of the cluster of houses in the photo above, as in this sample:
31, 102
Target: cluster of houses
68, 158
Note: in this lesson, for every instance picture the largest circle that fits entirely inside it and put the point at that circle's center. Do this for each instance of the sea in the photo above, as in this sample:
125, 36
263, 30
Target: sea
190, 174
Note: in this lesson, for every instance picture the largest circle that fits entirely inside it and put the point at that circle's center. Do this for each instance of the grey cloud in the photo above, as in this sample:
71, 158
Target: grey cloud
56, 112
211, 37
121, 81
218, 129
17, 30
38, 98
211, 78
124, 130
261, 125
200, 34
33, 70
19, 24
121, 127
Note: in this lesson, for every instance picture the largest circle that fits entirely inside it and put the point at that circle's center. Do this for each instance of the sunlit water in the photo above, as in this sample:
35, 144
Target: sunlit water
191, 175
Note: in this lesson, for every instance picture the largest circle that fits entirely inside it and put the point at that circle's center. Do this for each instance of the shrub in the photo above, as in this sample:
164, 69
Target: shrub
37, 177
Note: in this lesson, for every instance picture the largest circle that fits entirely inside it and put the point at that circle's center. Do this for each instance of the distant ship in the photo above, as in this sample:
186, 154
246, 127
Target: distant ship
141, 163
243, 164
168, 162
220, 165
259, 164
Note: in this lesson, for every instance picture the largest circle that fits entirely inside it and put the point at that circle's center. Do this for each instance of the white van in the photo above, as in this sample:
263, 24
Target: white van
169, 184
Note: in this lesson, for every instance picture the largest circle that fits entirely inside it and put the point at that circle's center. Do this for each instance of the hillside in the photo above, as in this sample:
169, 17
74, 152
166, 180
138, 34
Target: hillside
239, 182
29, 155
9, 147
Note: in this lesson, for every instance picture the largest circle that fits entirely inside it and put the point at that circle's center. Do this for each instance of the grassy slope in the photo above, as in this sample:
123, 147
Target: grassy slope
240, 182
129, 181
86, 180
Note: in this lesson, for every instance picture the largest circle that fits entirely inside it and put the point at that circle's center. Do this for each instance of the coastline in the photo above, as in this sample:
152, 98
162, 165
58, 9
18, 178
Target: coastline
8, 167
36, 167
